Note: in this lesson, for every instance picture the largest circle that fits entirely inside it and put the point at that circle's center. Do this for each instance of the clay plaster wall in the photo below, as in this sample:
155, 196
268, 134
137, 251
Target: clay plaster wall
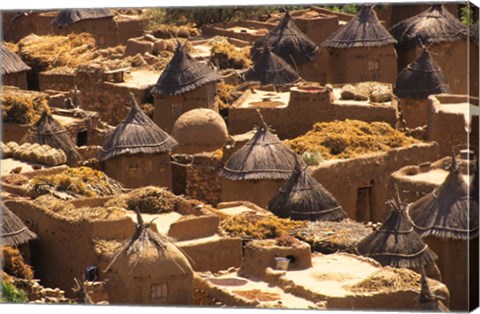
355, 65
57, 82
415, 111
13, 131
138, 170
18, 79
169, 108
258, 192
202, 180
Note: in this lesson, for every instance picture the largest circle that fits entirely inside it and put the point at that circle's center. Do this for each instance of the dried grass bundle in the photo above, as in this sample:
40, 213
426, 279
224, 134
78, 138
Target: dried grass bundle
388, 279
227, 56
22, 107
14, 264
149, 200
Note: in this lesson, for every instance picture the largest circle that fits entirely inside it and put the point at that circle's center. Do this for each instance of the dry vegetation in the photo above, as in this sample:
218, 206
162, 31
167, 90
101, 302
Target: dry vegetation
149, 200
107, 247
389, 279
259, 226
21, 106
82, 181
349, 139
258, 295
14, 265
227, 56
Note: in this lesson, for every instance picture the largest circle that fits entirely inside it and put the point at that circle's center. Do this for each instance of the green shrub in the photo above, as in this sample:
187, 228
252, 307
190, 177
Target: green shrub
10, 294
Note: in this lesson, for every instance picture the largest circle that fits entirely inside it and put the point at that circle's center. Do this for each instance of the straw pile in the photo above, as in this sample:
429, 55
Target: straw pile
227, 94
258, 295
22, 107
251, 225
149, 200
174, 31
227, 56
388, 279
13, 263
82, 181
349, 139
67, 209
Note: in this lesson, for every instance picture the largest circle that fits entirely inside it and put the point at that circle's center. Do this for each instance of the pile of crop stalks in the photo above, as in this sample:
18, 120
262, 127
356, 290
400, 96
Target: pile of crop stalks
149, 200
227, 56
173, 31
332, 236
349, 139
388, 279
68, 210
13, 263
107, 248
251, 225
21, 106
82, 181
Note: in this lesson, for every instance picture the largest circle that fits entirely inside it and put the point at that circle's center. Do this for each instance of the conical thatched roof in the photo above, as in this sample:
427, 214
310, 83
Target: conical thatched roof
50, 132
363, 30
184, 74
136, 134
420, 79
304, 198
67, 17
11, 62
271, 69
13, 231
428, 301
450, 211
288, 42
263, 157
435, 25
396, 243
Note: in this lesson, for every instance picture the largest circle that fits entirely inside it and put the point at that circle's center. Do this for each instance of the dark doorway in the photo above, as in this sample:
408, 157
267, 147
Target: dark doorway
82, 138
363, 209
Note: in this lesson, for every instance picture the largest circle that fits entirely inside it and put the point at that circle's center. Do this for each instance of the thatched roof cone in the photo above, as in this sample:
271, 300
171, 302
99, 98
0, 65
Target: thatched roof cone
48, 131
432, 26
136, 134
67, 17
420, 79
11, 62
13, 231
428, 301
363, 30
271, 69
396, 243
288, 42
183, 73
304, 198
449, 212
263, 157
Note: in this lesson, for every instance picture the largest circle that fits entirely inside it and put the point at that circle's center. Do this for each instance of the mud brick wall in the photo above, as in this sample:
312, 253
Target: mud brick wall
58, 82
202, 180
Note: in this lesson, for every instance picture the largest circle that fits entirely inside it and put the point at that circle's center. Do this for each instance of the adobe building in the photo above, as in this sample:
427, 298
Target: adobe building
137, 152
13, 69
185, 84
415, 83
288, 42
447, 219
302, 106
460, 113
361, 50
403, 11
448, 41
258, 169
397, 244
474, 63
303, 198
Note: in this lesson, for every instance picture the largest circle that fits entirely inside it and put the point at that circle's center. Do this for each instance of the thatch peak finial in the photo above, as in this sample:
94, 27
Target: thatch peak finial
426, 294
454, 166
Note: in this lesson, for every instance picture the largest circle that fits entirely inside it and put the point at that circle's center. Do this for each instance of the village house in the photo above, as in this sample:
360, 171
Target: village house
185, 84
13, 69
415, 83
137, 151
460, 113
290, 44
447, 219
361, 50
448, 40
258, 169
303, 198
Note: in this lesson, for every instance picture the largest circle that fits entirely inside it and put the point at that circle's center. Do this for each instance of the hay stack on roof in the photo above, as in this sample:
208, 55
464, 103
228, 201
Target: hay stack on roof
396, 243
11, 62
432, 26
183, 73
263, 157
428, 301
136, 134
363, 30
271, 69
48, 131
420, 79
68, 17
288, 42
13, 231
450, 211
304, 198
